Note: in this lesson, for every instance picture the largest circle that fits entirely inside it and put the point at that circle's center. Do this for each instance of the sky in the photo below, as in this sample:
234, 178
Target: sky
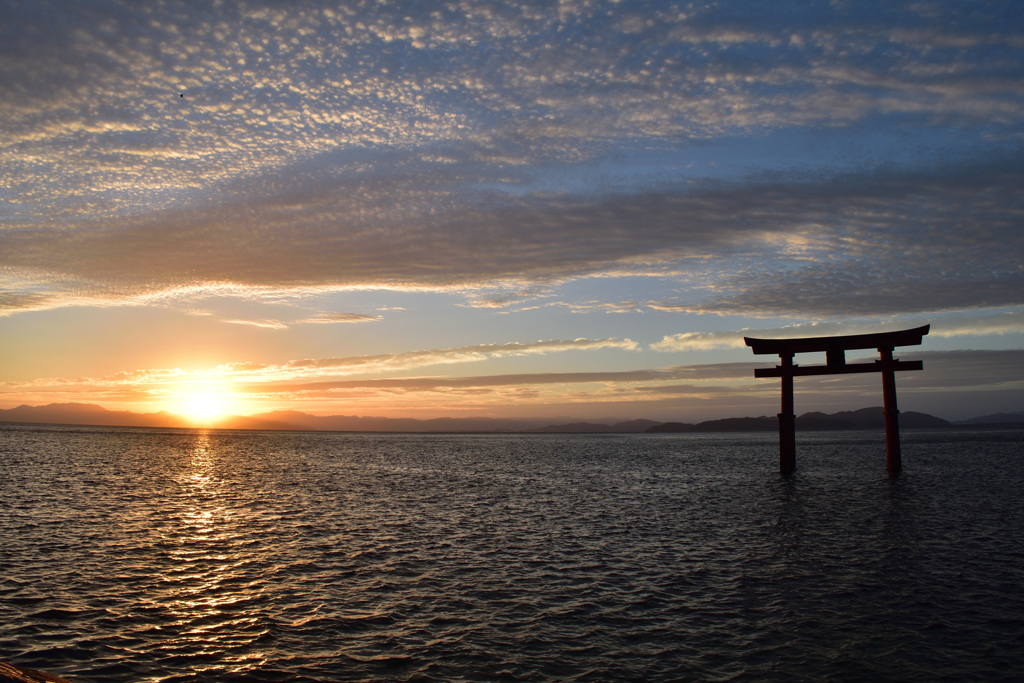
505, 208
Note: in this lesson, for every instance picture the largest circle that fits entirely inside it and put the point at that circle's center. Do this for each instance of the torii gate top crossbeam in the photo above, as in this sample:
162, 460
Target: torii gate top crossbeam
879, 340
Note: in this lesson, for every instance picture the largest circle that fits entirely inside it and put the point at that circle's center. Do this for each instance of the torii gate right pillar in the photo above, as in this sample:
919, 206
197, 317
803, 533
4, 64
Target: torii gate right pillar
893, 457
787, 418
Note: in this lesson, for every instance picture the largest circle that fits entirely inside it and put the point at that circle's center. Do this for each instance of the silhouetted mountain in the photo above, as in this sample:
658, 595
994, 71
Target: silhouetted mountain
242, 422
87, 414
634, 425
629, 426
997, 418
671, 427
816, 421
874, 418
572, 428
738, 424
865, 418
352, 423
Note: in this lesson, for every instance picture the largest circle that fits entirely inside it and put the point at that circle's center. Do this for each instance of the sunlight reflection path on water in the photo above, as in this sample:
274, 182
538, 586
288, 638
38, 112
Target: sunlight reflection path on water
206, 569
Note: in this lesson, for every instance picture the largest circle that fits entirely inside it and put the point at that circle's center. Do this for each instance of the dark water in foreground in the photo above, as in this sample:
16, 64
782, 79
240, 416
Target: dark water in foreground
147, 555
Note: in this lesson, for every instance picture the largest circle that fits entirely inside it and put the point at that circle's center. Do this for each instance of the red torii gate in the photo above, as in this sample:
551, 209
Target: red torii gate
835, 349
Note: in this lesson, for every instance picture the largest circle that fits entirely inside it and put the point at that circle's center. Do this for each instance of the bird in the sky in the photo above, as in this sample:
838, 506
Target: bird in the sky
181, 94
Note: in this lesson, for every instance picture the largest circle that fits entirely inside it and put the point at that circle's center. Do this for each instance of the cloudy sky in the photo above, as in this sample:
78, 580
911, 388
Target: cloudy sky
483, 207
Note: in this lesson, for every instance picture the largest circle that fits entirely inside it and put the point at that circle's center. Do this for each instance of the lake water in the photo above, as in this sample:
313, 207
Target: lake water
176, 555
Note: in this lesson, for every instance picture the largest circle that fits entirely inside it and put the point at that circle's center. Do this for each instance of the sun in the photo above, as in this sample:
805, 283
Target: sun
204, 409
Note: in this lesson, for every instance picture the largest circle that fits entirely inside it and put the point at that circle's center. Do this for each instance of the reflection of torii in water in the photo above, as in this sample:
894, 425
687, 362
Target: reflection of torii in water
835, 349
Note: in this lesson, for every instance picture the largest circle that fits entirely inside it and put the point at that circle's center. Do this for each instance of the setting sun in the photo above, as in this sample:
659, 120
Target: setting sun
203, 408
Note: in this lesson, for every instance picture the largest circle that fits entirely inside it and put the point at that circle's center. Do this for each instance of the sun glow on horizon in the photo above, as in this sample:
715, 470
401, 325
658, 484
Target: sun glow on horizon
203, 407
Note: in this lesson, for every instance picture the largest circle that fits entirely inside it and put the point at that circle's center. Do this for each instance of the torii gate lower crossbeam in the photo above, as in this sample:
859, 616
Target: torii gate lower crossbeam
835, 349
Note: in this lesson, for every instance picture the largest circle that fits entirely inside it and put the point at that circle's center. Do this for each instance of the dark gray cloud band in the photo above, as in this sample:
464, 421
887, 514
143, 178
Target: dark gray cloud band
852, 244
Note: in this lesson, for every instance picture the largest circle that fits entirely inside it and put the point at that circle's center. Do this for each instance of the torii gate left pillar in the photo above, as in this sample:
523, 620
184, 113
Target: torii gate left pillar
835, 354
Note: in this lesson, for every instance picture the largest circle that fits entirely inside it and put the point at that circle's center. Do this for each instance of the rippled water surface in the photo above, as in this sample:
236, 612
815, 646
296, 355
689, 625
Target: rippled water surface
149, 555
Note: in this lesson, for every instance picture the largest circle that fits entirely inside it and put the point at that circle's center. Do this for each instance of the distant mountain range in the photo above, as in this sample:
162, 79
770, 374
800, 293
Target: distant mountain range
998, 418
866, 418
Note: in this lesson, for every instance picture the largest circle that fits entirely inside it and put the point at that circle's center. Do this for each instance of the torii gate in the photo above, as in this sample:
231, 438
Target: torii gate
835, 354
